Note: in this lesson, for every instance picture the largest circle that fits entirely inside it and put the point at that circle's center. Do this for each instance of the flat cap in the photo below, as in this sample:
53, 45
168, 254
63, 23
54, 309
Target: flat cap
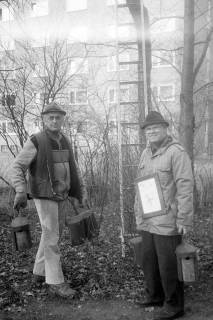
154, 117
53, 107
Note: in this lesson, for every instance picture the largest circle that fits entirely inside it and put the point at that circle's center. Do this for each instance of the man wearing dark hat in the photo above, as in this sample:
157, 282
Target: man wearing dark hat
162, 233
53, 176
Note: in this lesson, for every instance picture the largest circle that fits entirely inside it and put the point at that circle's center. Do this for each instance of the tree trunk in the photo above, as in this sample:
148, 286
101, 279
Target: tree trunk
135, 10
186, 124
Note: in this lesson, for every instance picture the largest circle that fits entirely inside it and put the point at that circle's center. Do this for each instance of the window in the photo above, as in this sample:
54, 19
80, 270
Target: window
210, 149
82, 126
6, 43
44, 98
39, 8
8, 100
78, 96
39, 71
123, 57
111, 62
37, 97
8, 67
164, 25
163, 59
37, 125
7, 127
164, 92
41, 98
113, 2
124, 94
10, 128
78, 34
73, 5
39, 40
6, 13
13, 147
129, 134
79, 66
4, 148
111, 95
3, 126
123, 32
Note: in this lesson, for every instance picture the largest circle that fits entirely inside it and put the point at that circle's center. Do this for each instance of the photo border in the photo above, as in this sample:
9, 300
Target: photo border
160, 212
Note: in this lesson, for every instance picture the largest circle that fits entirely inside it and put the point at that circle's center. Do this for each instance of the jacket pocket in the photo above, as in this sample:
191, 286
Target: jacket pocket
165, 175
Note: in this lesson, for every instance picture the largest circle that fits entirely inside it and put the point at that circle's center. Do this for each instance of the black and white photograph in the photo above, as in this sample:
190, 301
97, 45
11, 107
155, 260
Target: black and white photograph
106, 159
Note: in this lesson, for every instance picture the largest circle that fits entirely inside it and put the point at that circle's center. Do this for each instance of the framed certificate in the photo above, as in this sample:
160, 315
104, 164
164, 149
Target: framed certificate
150, 196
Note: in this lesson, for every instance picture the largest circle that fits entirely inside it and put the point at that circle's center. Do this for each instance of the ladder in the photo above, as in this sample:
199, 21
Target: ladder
130, 112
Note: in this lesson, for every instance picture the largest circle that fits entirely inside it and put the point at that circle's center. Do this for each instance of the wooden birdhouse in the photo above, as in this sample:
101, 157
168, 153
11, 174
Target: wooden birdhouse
187, 262
135, 245
21, 233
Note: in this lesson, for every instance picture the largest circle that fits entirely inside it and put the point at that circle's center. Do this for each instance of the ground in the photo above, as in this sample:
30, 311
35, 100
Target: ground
107, 284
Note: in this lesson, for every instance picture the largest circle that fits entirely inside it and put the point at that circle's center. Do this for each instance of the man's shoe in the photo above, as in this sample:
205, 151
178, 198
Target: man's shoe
149, 303
62, 290
169, 315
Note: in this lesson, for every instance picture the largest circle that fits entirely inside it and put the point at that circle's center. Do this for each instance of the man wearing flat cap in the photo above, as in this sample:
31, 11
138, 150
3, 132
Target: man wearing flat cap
53, 176
162, 233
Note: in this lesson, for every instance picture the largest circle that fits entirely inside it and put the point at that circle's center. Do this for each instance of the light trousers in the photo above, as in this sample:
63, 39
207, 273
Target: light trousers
52, 217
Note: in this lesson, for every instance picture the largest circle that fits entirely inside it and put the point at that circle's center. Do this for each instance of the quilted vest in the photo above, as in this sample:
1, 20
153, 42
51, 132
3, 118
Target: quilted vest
41, 171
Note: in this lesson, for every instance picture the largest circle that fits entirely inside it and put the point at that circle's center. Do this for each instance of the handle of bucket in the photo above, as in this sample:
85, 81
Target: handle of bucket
74, 206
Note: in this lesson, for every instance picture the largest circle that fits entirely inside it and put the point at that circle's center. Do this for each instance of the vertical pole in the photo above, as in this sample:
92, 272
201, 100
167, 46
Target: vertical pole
143, 41
119, 135
208, 73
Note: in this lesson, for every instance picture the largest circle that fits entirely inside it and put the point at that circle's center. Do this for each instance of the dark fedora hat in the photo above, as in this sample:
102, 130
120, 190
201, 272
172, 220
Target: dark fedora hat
154, 117
53, 107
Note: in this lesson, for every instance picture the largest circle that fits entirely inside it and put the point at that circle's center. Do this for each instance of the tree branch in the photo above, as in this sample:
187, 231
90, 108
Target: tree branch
205, 48
203, 87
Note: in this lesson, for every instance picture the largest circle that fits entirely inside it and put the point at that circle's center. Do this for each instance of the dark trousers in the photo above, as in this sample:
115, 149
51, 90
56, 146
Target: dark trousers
159, 264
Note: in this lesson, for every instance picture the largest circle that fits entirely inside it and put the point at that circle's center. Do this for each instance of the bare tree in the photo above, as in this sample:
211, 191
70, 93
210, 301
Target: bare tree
190, 59
186, 127
38, 76
190, 72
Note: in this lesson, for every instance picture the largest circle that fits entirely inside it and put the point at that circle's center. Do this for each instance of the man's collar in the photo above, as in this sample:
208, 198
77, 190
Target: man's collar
54, 136
157, 148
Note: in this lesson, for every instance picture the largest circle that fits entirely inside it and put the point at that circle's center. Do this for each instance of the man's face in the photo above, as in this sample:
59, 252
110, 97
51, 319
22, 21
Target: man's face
53, 121
156, 133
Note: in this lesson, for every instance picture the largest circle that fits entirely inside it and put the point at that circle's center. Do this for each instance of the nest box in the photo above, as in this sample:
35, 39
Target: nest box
21, 233
187, 262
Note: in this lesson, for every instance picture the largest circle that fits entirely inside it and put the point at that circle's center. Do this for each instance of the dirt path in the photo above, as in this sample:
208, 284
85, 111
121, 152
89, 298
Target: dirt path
122, 310
199, 306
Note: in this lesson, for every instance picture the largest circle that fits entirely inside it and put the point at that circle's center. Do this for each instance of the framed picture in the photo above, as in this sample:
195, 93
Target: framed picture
150, 196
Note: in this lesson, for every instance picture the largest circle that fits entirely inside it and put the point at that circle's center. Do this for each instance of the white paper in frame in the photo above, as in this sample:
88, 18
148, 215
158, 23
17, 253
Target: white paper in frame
150, 196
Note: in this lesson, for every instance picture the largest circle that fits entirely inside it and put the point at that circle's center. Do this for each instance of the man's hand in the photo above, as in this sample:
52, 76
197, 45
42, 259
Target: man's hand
182, 229
20, 200
75, 202
84, 203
